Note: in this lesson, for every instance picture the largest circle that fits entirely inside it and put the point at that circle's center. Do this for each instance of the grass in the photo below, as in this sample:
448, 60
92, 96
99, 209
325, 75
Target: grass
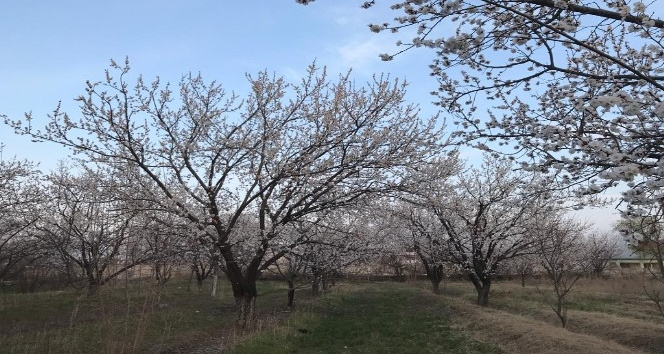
605, 316
141, 318
623, 297
368, 318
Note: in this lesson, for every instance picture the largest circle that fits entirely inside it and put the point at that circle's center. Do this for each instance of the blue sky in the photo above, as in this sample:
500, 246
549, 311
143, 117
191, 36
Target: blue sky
50, 48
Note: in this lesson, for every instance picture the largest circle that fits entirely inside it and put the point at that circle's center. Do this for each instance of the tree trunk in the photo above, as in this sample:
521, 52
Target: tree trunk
316, 285
244, 292
215, 280
660, 261
523, 279
245, 295
94, 281
191, 279
398, 271
325, 283
561, 311
435, 275
162, 273
93, 287
435, 286
157, 272
291, 294
243, 284
245, 309
483, 293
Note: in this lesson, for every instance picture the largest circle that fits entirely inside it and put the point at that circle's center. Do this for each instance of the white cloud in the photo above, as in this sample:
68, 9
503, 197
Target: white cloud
362, 55
350, 15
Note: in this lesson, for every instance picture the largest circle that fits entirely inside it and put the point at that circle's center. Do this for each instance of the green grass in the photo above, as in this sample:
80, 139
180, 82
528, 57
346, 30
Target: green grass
354, 317
368, 318
605, 304
118, 320
138, 319
529, 300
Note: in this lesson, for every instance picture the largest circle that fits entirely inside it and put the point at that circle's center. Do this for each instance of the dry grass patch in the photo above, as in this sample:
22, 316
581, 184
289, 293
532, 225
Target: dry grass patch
627, 331
521, 334
607, 311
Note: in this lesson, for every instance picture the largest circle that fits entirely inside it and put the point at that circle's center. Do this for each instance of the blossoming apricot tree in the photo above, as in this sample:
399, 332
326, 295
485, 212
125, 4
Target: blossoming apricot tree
283, 153
574, 87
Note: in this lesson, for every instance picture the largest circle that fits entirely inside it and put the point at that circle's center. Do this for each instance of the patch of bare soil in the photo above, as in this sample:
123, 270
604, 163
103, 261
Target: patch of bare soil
522, 334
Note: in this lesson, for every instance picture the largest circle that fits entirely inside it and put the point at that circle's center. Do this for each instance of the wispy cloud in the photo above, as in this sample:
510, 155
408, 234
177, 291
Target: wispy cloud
363, 55
345, 15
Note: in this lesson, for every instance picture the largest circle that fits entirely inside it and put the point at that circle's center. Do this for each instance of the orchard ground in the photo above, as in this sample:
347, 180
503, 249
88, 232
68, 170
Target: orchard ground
605, 316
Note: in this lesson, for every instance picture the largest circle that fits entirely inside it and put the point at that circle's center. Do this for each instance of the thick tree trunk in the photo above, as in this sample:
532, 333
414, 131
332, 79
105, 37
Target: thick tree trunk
94, 282
291, 294
244, 292
435, 275
245, 295
398, 271
483, 293
93, 287
245, 309
435, 286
